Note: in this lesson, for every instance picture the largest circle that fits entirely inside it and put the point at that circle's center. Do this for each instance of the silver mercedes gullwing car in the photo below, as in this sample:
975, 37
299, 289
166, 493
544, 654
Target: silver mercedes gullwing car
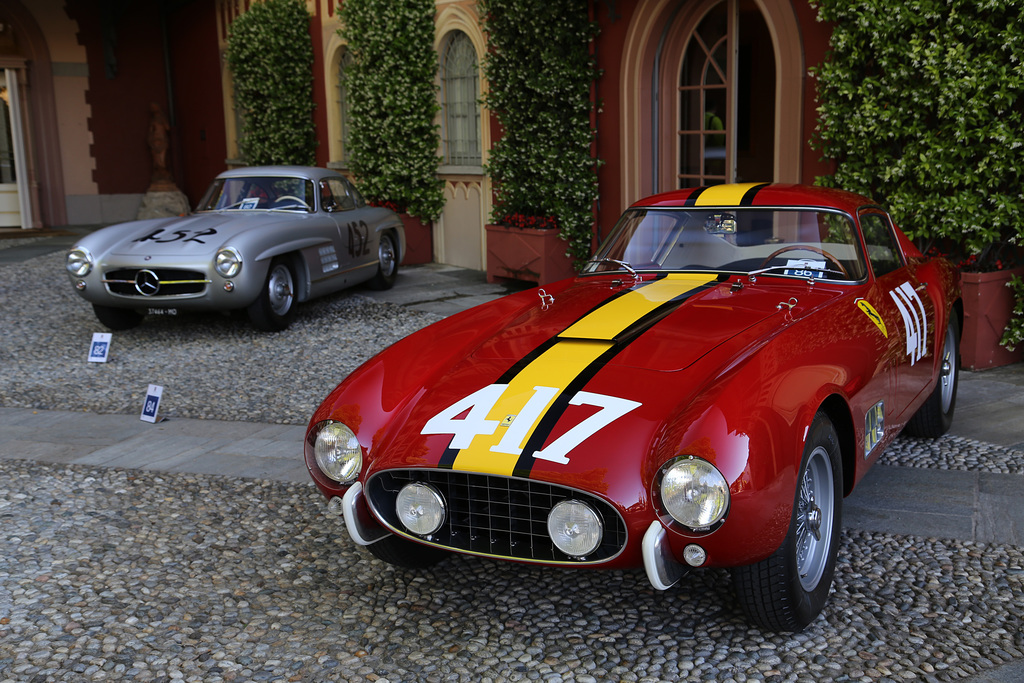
263, 238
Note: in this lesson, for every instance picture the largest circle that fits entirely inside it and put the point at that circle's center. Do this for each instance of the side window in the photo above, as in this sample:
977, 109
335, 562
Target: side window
342, 199
354, 193
883, 252
327, 202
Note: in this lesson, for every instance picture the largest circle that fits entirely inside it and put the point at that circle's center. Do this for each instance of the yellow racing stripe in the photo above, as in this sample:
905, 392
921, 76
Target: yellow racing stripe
553, 371
556, 368
617, 315
724, 195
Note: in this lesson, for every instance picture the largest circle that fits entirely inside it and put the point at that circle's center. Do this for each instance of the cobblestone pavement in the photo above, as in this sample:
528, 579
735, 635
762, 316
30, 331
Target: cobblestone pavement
111, 574
125, 574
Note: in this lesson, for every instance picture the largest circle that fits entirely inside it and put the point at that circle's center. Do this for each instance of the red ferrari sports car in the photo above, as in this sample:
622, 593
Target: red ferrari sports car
704, 394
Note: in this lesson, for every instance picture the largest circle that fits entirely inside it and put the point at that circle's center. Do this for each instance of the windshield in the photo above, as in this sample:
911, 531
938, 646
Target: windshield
806, 243
259, 193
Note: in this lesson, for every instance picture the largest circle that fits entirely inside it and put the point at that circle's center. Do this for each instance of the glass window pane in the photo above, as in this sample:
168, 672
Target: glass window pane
460, 91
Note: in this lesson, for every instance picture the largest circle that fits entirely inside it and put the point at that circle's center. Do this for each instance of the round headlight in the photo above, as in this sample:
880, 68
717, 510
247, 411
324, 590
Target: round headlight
575, 528
229, 262
694, 493
79, 262
338, 453
420, 507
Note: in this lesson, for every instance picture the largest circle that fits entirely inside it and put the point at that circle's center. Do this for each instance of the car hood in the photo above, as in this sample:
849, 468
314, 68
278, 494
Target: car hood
188, 236
560, 385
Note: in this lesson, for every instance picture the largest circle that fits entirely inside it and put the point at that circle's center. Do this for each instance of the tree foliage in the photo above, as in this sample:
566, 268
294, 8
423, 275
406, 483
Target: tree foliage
921, 108
393, 144
540, 72
270, 54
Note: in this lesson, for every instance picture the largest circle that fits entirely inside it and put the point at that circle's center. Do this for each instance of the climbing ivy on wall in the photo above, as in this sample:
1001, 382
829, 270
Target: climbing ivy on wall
540, 71
921, 107
394, 141
270, 54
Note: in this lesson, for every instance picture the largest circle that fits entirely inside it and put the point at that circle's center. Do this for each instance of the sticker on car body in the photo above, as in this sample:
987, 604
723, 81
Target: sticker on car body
915, 320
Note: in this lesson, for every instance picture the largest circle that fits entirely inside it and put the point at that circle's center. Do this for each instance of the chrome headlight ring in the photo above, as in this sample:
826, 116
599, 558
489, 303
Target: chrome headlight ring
228, 262
693, 493
79, 261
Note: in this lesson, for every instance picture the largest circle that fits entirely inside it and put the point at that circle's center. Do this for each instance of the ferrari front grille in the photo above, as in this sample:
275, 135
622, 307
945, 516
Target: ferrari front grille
495, 516
143, 282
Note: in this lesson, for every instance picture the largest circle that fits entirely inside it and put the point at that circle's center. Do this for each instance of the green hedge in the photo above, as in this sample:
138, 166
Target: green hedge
921, 108
540, 71
270, 54
393, 142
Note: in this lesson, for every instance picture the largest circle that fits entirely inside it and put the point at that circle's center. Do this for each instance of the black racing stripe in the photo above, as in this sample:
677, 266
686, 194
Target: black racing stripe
652, 318
692, 199
748, 196
447, 460
524, 464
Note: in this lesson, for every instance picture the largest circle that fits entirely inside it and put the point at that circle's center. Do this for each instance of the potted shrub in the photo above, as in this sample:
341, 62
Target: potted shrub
929, 124
542, 166
393, 141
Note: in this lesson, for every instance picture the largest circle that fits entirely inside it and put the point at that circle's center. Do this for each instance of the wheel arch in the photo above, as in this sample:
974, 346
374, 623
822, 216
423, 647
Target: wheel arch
838, 412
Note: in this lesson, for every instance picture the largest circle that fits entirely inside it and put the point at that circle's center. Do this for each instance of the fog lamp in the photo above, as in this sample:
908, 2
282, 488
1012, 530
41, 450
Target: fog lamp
575, 528
420, 508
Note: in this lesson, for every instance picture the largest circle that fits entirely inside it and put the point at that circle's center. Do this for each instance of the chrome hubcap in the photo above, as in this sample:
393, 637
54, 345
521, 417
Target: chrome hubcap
280, 290
948, 376
815, 516
386, 256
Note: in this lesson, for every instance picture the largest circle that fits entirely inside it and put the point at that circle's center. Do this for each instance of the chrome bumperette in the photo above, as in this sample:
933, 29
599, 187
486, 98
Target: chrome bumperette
663, 570
361, 526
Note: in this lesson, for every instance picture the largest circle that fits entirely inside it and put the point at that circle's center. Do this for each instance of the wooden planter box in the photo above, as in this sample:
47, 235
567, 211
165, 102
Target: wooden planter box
526, 254
419, 240
988, 305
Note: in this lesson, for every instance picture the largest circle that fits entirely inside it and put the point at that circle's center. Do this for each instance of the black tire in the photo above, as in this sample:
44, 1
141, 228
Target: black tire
786, 591
934, 418
387, 263
118, 318
402, 552
274, 308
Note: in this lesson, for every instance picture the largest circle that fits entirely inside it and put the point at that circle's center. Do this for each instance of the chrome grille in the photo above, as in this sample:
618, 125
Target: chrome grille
172, 281
494, 515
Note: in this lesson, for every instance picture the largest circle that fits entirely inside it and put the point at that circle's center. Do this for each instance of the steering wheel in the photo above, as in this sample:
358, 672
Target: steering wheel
806, 247
293, 197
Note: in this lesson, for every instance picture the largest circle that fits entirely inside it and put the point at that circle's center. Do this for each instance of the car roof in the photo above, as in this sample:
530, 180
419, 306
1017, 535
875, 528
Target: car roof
312, 172
741, 195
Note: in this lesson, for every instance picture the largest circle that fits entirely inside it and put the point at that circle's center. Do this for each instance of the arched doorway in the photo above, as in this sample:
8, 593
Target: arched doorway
712, 92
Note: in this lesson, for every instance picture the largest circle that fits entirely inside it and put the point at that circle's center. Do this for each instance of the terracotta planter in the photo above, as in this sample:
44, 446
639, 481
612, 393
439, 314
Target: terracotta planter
419, 240
988, 305
526, 254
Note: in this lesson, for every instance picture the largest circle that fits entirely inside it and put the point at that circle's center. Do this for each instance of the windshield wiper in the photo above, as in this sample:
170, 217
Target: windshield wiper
615, 262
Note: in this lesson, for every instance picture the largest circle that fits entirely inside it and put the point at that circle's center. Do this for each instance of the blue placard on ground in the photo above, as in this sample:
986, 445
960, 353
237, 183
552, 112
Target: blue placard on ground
152, 404
100, 347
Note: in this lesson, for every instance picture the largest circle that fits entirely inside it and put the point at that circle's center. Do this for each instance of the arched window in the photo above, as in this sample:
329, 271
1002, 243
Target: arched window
726, 93
460, 92
343, 103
